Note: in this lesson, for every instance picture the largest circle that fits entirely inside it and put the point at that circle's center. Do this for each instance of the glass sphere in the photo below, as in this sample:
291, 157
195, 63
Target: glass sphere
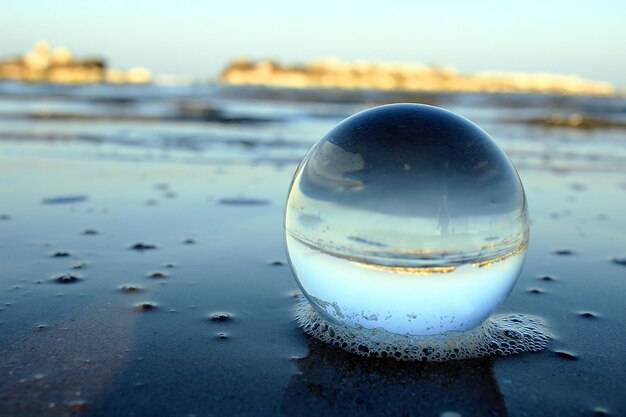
408, 218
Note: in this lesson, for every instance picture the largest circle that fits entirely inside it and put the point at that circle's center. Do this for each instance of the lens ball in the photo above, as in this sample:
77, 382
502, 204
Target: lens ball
408, 218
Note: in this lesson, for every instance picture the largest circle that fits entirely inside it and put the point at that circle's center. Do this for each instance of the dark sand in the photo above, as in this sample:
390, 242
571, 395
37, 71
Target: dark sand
207, 328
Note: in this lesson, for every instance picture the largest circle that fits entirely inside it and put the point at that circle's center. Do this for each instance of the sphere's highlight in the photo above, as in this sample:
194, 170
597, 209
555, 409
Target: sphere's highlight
406, 218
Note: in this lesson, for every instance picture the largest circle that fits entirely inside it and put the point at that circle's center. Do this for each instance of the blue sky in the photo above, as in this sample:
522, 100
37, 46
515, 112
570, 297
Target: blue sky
199, 37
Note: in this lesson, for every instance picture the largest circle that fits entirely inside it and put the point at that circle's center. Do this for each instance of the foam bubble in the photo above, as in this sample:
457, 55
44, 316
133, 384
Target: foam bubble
499, 335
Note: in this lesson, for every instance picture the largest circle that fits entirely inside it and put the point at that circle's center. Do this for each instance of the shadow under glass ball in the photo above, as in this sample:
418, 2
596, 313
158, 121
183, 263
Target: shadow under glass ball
406, 217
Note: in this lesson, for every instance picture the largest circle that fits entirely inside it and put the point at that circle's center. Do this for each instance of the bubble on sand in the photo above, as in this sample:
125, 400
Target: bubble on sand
407, 223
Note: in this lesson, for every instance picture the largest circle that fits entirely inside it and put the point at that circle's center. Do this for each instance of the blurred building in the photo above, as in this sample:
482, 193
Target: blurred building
57, 65
333, 73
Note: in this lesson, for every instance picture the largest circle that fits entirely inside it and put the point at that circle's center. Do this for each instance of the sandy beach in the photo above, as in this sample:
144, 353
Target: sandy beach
144, 272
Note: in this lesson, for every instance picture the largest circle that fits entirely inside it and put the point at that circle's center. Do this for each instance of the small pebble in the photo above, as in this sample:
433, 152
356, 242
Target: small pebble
535, 290
41, 327
91, 232
578, 187
68, 199
67, 278
565, 355
277, 262
140, 246
131, 289
563, 252
619, 260
600, 412
222, 336
5, 217
145, 306
78, 405
242, 201
79, 265
220, 317
190, 241
61, 254
588, 315
546, 278
157, 275
170, 266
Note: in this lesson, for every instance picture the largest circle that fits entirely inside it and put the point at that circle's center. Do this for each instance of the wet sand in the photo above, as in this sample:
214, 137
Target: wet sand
182, 304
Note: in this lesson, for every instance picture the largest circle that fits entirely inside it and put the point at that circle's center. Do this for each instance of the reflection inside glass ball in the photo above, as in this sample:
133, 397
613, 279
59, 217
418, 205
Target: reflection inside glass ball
406, 218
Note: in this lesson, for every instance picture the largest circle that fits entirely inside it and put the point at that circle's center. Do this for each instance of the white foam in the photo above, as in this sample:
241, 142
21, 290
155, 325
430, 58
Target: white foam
500, 335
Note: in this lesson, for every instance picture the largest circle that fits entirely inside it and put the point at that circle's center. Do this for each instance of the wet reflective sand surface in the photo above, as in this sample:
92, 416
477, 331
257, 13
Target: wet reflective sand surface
143, 269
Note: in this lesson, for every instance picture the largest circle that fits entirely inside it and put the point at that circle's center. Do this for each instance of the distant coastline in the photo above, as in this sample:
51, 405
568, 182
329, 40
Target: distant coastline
59, 66
45, 64
333, 73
